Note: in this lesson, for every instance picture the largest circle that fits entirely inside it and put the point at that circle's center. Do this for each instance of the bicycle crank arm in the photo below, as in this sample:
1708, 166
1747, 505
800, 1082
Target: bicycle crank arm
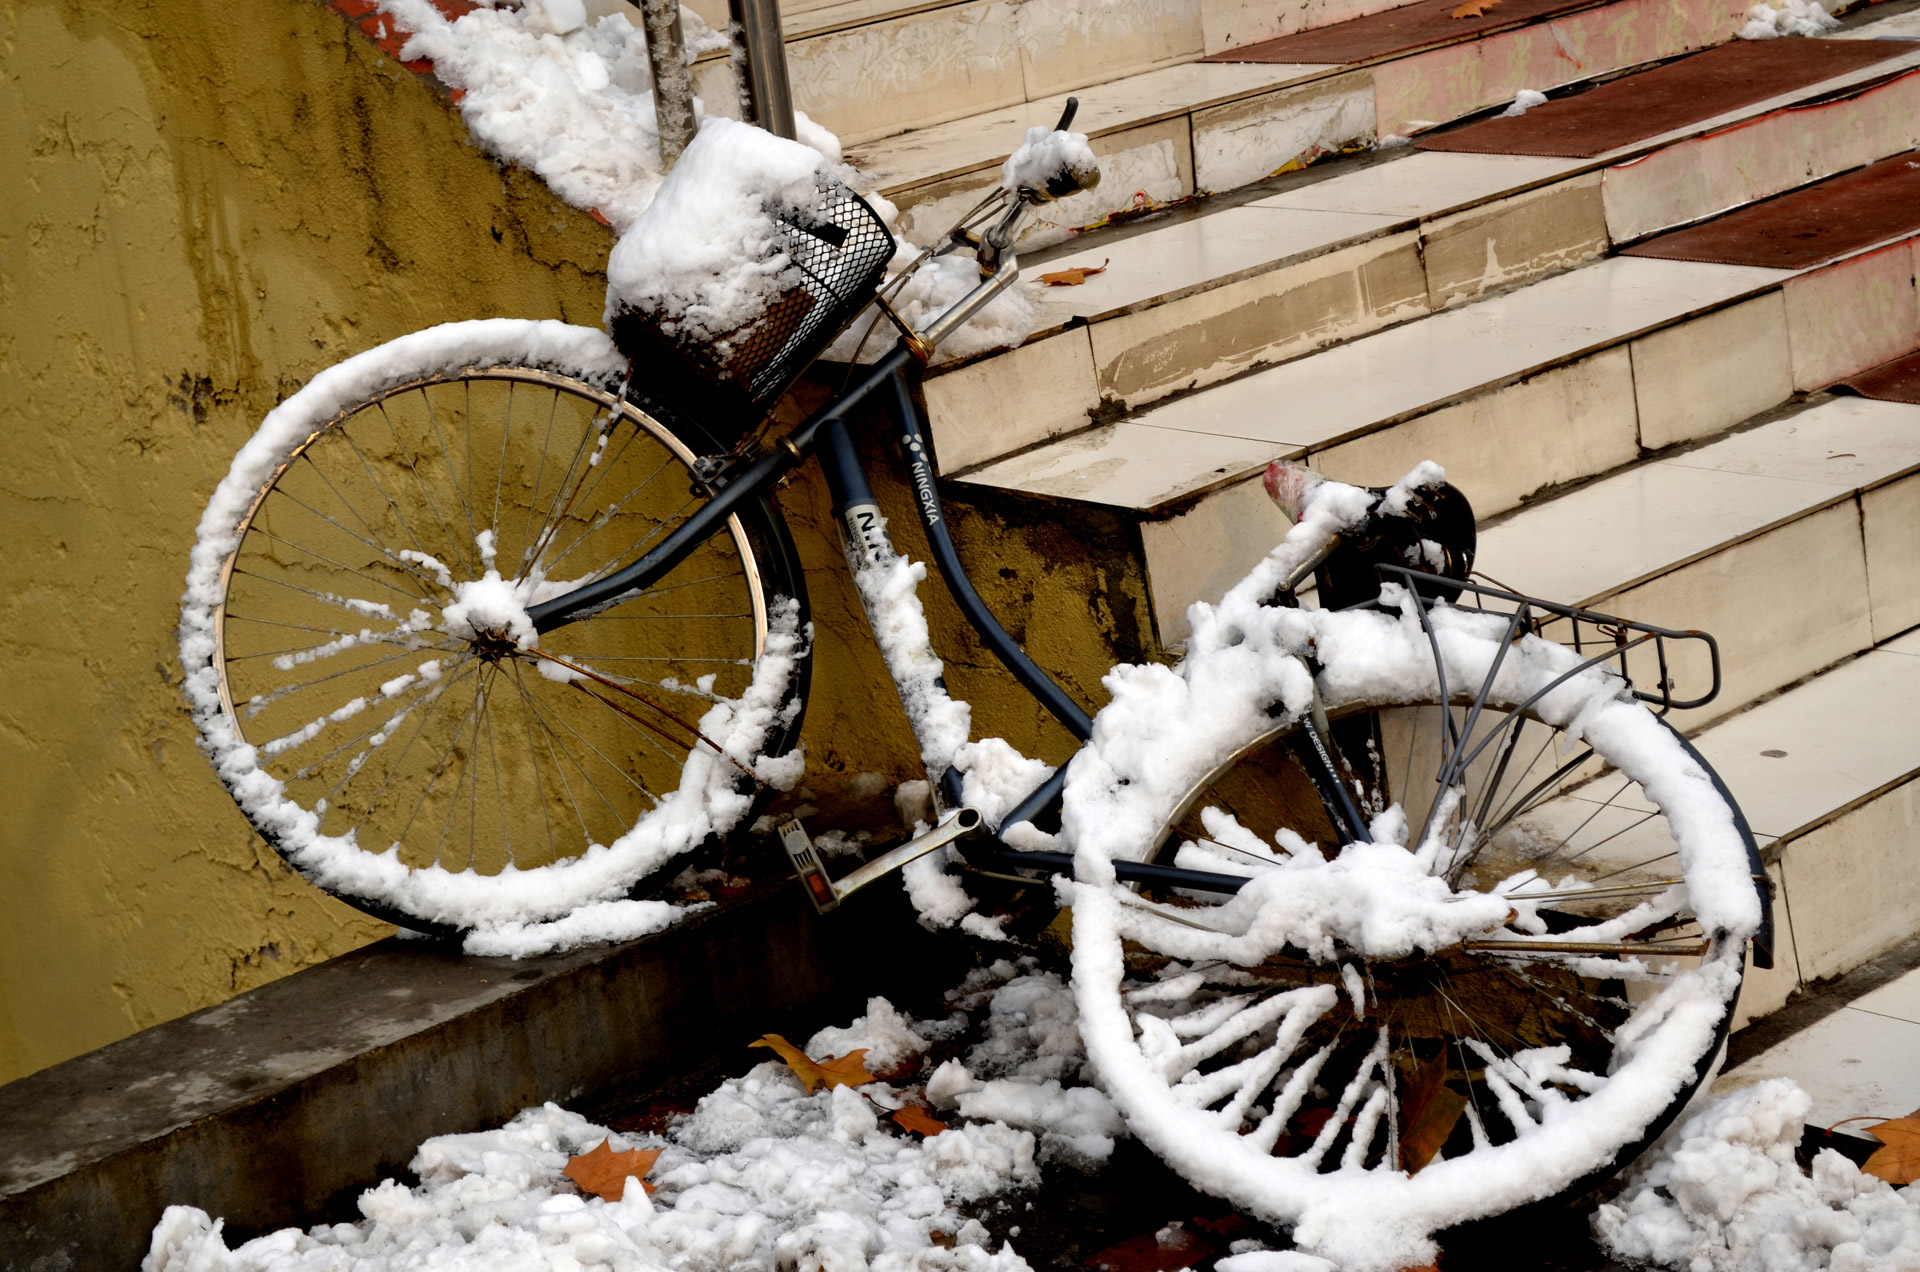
826, 894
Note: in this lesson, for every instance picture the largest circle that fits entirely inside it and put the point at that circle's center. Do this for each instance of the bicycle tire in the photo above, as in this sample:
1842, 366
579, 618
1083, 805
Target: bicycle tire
1341, 1037
361, 672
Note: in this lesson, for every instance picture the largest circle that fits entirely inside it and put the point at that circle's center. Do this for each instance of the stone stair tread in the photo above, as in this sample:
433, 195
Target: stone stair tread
1351, 388
1596, 541
1187, 256
905, 160
1156, 265
1846, 733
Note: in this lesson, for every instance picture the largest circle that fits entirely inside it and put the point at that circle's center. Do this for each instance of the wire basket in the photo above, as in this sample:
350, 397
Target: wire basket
840, 251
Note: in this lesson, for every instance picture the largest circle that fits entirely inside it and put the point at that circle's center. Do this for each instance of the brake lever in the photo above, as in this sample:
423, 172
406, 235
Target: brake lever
1066, 116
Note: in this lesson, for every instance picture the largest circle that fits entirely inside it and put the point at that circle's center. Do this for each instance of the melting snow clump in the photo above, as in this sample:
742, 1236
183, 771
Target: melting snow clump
1772, 18
1724, 1194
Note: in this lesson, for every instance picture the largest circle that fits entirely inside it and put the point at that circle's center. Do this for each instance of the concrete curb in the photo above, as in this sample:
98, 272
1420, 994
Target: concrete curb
279, 1106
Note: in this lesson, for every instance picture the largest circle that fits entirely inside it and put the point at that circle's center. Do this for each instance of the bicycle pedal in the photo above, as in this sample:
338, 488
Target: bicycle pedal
800, 851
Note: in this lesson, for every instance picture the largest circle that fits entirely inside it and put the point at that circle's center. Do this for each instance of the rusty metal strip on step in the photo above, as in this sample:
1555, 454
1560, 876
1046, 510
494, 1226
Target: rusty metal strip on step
1808, 226
1680, 93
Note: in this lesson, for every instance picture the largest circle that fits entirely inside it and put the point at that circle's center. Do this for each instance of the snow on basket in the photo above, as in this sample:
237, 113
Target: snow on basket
748, 263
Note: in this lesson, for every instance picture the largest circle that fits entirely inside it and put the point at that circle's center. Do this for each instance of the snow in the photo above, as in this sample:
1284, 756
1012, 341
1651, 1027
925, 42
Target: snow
704, 258
1523, 101
940, 723
542, 86
760, 1177
489, 605
1030, 1070
1771, 19
1723, 1193
1046, 156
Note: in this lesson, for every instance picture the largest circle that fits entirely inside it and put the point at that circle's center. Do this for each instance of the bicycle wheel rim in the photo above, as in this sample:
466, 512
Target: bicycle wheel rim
689, 729
1341, 1191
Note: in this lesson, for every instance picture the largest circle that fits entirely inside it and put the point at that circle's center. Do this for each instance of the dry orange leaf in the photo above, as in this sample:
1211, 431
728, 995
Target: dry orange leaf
1429, 1110
835, 1071
1898, 1160
1475, 8
1081, 273
914, 1118
604, 1173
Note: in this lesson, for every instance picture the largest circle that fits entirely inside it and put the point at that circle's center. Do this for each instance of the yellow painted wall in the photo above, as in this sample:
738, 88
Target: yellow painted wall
202, 206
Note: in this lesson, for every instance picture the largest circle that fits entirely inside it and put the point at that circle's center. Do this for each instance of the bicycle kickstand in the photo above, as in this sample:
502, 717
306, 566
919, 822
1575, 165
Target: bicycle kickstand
826, 894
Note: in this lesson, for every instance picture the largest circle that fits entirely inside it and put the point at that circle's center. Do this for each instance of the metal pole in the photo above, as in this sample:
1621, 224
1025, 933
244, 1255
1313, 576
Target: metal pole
760, 65
672, 78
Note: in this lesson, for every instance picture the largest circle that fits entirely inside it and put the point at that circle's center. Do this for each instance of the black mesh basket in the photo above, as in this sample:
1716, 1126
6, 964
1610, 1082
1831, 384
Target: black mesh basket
840, 250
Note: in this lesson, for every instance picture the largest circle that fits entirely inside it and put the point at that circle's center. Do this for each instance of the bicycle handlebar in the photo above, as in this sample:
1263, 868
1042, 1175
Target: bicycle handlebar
1066, 116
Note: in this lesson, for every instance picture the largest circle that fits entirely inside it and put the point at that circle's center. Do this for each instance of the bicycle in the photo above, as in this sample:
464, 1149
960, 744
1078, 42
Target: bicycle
401, 598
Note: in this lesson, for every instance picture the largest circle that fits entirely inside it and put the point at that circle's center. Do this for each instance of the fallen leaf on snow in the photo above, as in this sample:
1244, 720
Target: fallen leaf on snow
1079, 274
914, 1118
604, 1173
1898, 1160
835, 1071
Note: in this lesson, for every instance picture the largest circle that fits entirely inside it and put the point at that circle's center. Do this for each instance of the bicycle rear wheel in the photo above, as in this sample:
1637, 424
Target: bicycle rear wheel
1510, 992
363, 672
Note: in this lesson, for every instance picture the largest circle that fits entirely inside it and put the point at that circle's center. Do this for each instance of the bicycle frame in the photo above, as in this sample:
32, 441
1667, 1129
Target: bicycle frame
825, 437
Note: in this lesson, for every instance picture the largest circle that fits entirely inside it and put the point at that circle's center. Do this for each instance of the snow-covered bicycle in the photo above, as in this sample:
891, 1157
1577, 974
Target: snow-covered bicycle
1387, 913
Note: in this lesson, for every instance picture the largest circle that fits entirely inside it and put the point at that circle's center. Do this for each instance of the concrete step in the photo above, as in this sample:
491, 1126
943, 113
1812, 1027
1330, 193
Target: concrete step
1542, 386
873, 69
1335, 256
1796, 544
876, 68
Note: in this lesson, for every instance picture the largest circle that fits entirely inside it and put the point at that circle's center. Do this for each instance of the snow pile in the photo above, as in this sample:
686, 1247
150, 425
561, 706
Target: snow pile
1773, 18
1724, 1194
1030, 1070
705, 258
1523, 101
1044, 158
542, 86
760, 1177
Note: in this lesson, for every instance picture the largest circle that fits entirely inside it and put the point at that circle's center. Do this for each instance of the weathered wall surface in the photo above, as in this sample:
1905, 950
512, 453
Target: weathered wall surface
211, 204
204, 205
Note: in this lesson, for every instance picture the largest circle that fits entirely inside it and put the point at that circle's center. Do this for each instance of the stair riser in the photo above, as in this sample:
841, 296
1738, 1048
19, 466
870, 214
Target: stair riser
1704, 176
1853, 884
1232, 24
1854, 314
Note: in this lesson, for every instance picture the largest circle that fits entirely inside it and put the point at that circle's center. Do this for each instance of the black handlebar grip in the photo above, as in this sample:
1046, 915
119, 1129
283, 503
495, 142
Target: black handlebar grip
1066, 116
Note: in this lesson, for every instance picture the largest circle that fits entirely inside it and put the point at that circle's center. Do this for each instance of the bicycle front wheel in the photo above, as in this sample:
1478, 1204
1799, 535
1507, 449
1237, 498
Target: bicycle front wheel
1509, 992
361, 666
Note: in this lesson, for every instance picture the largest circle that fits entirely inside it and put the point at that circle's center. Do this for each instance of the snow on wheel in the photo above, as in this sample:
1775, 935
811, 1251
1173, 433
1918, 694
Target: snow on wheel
1511, 988
362, 668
